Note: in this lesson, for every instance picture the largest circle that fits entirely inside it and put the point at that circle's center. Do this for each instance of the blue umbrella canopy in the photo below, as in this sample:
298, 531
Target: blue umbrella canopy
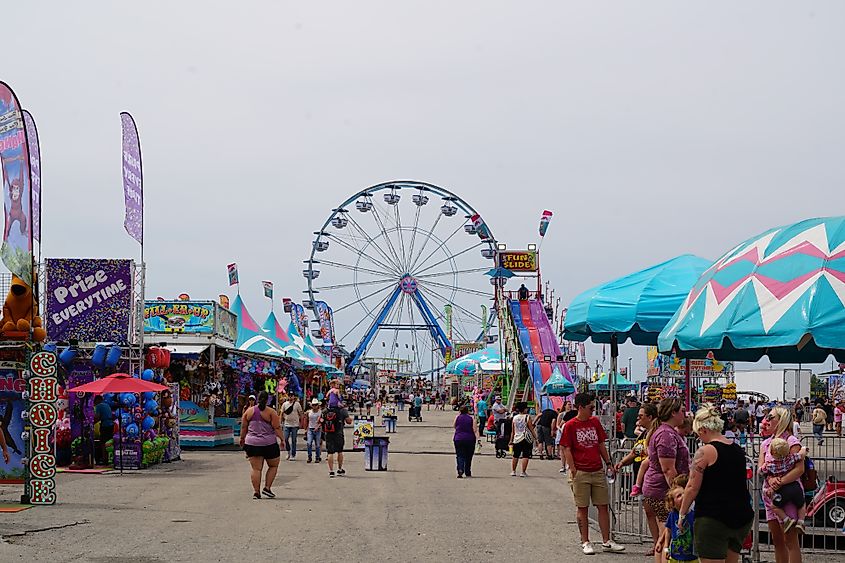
779, 294
621, 382
636, 306
557, 385
499, 272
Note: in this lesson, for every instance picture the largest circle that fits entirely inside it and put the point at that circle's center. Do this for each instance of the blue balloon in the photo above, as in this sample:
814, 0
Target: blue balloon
148, 375
67, 356
148, 423
98, 357
151, 406
132, 430
146, 396
127, 399
108, 398
113, 356
125, 419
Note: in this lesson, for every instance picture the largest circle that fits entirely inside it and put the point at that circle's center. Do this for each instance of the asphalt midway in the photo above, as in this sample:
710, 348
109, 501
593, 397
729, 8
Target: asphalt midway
201, 509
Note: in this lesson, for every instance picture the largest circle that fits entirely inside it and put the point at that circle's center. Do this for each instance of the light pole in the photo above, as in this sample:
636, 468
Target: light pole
630, 376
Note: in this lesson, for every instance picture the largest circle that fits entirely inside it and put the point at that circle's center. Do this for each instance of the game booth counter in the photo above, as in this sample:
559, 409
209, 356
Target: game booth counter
219, 357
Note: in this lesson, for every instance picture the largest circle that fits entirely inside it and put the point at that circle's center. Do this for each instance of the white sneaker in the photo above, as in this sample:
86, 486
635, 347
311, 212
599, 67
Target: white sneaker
562, 470
523, 474
513, 473
587, 548
612, 547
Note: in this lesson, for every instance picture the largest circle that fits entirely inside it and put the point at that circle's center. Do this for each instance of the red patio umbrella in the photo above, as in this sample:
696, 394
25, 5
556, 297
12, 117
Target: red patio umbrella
118, 383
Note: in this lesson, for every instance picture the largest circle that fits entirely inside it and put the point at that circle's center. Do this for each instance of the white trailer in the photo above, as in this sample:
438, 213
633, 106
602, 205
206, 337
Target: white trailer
787, 385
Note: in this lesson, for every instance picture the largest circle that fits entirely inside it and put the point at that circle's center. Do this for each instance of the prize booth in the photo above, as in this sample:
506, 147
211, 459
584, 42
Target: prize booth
190, 341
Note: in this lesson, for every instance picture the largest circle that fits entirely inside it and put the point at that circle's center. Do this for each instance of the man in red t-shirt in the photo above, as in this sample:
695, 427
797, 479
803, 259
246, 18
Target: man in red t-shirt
583, 439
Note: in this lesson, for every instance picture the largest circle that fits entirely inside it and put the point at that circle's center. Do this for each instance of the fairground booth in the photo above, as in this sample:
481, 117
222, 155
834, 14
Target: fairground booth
220, 356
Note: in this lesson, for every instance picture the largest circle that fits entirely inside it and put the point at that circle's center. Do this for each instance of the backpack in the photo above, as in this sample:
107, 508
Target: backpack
809, 479
331, 422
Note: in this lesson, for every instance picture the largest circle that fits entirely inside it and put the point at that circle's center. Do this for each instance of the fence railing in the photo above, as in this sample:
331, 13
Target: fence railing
825, 520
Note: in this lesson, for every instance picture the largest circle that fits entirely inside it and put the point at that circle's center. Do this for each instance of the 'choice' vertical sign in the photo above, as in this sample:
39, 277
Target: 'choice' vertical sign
41, 465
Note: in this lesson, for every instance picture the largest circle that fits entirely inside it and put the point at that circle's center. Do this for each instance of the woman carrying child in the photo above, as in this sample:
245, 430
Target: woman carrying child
778, 424
789, 495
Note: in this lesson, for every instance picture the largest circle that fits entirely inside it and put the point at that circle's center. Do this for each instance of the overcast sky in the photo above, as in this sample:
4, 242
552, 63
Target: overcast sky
651, 129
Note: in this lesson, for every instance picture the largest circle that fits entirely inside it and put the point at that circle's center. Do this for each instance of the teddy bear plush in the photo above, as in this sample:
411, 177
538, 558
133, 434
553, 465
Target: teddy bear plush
20, 312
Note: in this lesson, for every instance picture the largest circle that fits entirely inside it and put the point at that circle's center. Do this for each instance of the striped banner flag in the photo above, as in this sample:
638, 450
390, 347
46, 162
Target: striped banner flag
233, 273
268, 289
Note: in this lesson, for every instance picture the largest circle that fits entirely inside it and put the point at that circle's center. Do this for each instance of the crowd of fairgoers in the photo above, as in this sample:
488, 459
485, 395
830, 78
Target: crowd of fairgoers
696, 507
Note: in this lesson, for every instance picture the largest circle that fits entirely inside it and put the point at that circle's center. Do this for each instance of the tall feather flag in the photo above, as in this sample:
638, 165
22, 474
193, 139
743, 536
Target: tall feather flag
133, 183
16, 250
268, 289
35, 172
544, 222
233, 273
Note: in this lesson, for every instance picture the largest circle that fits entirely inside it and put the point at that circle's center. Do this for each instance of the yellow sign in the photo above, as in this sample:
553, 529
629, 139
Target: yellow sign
519, 260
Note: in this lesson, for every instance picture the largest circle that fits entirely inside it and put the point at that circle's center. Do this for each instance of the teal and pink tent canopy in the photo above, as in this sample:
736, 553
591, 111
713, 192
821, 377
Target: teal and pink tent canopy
283, 339
251, 337
309, 349
271, 339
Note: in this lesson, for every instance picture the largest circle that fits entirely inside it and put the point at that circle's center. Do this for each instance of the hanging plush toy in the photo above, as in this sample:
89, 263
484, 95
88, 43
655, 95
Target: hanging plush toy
20, 312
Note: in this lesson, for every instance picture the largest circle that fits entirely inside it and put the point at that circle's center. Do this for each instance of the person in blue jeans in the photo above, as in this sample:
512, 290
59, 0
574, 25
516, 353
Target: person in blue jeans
315, 429
291, 414
465, 432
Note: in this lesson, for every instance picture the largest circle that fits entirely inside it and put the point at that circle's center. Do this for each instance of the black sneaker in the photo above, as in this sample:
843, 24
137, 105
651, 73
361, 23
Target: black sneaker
309, 460
319, 460
341, 472
331, 474
268, 493
256, 496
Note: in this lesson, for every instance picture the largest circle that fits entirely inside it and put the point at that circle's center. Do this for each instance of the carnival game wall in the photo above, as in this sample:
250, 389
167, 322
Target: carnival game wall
11, 406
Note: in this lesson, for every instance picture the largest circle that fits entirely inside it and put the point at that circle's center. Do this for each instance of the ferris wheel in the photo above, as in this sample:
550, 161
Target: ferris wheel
402, 265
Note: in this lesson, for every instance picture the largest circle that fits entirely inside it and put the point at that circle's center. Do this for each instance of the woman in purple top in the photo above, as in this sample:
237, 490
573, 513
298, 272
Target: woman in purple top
668, 457
778, 424
466, 429
260, 427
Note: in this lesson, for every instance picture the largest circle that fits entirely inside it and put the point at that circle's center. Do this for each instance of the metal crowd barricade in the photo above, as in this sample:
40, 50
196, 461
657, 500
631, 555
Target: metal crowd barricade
627, 518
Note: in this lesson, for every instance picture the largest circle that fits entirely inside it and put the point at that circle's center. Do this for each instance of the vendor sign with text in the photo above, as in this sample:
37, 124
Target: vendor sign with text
89, 299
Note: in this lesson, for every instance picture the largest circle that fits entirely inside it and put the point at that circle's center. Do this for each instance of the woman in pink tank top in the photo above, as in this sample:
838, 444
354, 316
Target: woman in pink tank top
260, 426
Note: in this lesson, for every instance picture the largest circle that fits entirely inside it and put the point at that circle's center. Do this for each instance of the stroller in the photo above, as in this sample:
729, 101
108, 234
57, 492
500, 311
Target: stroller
503, 435
414, 413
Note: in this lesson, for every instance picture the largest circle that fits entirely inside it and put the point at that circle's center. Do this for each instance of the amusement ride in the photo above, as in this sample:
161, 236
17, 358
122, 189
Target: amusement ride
402, 265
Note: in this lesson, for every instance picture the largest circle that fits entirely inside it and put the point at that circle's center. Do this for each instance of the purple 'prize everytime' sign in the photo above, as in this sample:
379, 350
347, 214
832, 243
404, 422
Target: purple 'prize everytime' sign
89, 299
133, 183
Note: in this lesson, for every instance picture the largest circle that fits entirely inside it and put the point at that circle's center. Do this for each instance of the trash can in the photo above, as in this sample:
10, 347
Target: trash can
390, 424
375, 453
